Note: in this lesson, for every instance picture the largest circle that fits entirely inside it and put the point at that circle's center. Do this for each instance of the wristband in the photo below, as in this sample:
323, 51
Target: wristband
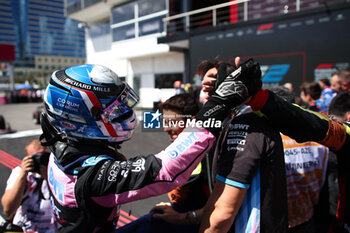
259, 99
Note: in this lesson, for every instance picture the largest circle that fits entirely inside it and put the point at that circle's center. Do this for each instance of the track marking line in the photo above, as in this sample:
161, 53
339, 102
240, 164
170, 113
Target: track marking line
21, 134
9, 160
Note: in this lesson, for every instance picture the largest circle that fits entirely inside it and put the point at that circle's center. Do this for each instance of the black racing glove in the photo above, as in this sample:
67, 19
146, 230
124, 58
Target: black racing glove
230, 91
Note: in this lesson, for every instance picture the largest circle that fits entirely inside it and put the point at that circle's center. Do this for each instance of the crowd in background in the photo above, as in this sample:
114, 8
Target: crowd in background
317, 96
22, 96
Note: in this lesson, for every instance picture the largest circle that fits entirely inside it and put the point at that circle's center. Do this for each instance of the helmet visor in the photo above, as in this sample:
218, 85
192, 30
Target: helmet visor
123, 104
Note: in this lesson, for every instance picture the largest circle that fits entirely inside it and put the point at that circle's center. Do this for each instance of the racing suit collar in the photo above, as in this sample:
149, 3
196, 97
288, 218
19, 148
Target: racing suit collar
66, 153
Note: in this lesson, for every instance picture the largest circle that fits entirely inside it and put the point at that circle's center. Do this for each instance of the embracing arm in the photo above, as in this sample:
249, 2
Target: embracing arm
221, 208
140, 177
294, 121
301, 124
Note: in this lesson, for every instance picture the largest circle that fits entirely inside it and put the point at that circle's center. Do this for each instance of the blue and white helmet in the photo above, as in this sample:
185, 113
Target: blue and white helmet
90, 102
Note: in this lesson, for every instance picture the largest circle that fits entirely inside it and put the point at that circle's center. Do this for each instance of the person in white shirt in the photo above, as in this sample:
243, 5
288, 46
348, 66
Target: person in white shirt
26, 201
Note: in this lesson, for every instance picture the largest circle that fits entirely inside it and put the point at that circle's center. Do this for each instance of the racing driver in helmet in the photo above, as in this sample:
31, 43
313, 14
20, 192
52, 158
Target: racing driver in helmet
89, 113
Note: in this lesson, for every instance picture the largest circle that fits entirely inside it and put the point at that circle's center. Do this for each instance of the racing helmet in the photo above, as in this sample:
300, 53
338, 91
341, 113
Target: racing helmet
90, 102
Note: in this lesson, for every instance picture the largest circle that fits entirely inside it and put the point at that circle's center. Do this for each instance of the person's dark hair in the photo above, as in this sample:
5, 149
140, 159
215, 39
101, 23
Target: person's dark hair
311, 88
184, 104
340, 104
284, 93
206, 65
325, 81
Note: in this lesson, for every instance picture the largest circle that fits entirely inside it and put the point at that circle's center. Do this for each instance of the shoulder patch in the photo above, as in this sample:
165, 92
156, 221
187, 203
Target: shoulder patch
92, 161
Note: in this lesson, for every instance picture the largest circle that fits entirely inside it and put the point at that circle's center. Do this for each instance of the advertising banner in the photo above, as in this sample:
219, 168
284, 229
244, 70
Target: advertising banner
292, 50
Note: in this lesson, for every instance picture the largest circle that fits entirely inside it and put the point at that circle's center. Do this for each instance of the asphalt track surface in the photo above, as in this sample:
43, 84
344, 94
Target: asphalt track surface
19, 116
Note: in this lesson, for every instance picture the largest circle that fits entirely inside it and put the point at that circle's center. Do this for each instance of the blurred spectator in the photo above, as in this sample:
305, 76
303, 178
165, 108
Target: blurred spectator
341, 81
309, 93
188, 88
178, 87
26, 95
23, 96
340, 107
26, 201
40, 94
306, 165
289, 86
327, 94
324, 83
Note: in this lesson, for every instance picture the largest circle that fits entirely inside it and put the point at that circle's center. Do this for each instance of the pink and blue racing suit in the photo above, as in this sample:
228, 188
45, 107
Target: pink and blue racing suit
88, 186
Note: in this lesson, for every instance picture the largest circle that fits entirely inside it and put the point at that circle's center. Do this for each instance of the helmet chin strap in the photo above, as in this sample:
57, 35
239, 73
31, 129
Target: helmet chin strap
50, 134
